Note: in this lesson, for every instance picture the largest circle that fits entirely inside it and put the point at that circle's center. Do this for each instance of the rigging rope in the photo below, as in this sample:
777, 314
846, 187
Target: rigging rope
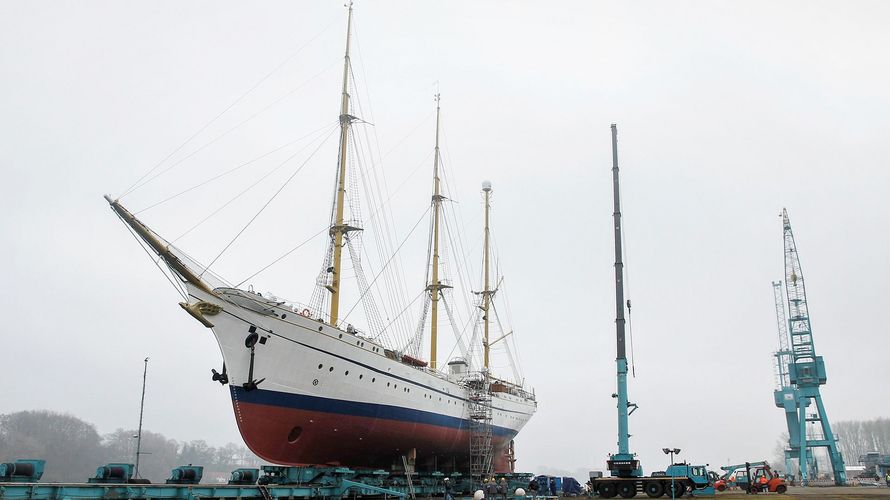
227, 172
230, 106
248, 188
292, 250
266, 204
389, 260
227, 132
178, 287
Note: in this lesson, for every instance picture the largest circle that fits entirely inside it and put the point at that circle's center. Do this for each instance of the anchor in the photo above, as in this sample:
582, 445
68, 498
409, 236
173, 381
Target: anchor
222, 378
250, 343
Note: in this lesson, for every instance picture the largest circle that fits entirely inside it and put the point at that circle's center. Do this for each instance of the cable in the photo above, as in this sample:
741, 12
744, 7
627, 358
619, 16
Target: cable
292, 250
227, 172
388, 261
265, 205
245, 190
227, 132
230, 106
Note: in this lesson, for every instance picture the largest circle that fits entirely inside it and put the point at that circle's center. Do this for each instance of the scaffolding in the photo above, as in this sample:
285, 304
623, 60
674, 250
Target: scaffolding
479, 395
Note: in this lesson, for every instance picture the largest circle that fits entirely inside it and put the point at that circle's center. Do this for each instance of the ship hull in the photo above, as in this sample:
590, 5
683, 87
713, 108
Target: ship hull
325, 396
321, 431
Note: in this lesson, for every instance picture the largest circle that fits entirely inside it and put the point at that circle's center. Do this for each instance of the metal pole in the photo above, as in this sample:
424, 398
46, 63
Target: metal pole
672, 476
141, 408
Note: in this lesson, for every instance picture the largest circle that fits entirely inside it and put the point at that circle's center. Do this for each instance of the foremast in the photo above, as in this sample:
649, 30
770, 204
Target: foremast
435, 286
338, 228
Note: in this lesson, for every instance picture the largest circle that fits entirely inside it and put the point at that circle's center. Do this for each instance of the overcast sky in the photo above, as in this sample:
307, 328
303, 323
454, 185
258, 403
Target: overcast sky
727, 112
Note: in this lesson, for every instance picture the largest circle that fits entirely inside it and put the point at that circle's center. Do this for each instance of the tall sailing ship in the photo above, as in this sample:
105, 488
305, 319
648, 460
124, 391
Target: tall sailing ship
308, 388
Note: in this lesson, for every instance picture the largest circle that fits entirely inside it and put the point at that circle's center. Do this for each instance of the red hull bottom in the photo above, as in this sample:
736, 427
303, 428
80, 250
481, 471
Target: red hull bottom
291, 436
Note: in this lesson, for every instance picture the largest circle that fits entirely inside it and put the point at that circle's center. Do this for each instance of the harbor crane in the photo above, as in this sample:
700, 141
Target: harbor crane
799, 383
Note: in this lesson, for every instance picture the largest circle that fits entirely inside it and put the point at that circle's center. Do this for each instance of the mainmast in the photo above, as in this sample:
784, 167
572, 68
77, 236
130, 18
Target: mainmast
338, 229
486, 293
435, 286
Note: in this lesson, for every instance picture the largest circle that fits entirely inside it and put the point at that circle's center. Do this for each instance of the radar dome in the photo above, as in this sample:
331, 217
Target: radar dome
486, 185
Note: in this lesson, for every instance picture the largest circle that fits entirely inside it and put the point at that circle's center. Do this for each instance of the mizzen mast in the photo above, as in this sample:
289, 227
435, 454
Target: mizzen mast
338, 228
435, 286
487, 292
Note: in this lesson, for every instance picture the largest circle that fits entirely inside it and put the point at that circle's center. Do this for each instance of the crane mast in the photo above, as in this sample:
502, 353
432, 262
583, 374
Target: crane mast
806, 371
621, 464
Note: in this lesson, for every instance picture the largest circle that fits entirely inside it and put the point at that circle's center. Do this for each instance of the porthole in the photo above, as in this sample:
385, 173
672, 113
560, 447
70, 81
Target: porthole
340, 336
319, 328
387, 384
294, 434
395, 386
319, 366
347, 372
360, 377
283, 316
374, 379
331, 369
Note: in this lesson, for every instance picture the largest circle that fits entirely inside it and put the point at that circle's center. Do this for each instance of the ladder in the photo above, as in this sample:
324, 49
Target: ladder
264, 491
479, 395
409, 471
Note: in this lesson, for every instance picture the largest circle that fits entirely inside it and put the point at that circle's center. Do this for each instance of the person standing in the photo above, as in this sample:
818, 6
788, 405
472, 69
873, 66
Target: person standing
449, 489
533, 487
888, 477
503, 488
491, 491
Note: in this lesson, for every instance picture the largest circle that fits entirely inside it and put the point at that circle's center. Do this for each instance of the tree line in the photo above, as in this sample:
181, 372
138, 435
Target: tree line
73, 448
858, 437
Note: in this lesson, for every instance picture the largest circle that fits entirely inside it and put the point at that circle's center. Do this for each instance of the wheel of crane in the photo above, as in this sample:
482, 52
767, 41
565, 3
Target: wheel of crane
627, 489
608, 490
678, 487
654, 489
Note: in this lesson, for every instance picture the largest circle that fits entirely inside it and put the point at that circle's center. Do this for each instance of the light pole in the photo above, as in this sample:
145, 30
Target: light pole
139, 433
672, 452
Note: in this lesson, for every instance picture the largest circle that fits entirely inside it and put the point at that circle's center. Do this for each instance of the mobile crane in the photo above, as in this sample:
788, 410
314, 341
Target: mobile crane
627, 477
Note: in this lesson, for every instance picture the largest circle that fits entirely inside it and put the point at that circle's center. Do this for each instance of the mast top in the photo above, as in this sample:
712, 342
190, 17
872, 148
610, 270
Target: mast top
486, 185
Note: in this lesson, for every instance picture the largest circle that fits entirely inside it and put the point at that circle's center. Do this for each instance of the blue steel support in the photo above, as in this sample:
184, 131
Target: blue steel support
802, 431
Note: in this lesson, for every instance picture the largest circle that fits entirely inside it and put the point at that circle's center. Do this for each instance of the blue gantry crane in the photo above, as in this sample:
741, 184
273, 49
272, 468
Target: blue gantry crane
801, 372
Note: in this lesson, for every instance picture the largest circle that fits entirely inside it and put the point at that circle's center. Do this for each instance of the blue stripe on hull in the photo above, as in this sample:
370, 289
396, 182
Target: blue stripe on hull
372, 410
